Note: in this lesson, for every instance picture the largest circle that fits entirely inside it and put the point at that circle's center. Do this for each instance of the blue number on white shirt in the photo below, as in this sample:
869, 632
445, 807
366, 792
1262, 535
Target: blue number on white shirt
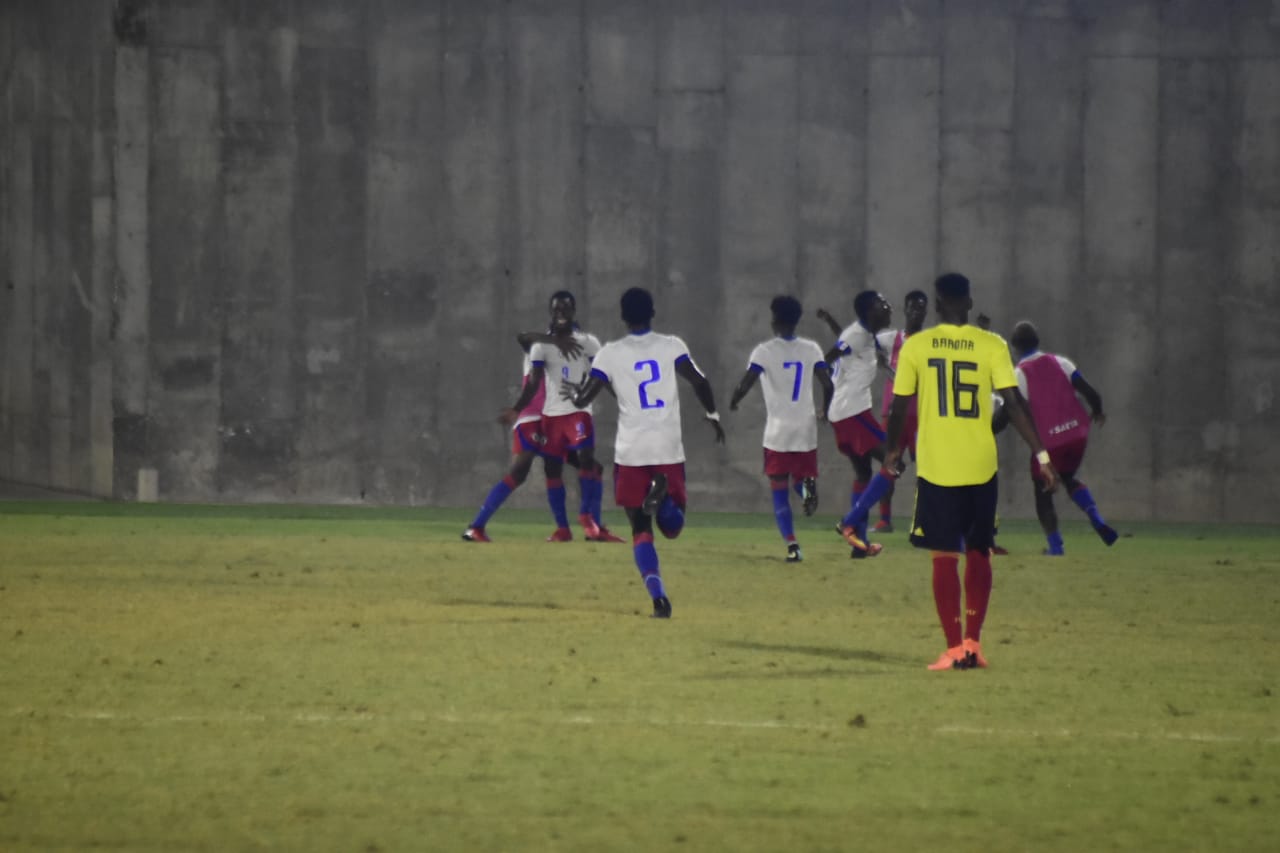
654, 375
799, 366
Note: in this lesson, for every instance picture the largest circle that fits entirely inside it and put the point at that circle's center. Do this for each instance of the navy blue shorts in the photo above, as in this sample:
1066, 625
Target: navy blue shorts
954, 518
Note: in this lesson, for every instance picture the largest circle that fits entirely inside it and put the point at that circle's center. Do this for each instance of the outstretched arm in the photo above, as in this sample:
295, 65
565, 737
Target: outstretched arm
748, 382
1020, 417
569, 347
893, 432
1091, 396
702, 389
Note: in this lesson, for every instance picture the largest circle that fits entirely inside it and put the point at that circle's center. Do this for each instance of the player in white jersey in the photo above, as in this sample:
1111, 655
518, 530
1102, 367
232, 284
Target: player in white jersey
854, 358
565, 429
648, 453
528, 441
786, 366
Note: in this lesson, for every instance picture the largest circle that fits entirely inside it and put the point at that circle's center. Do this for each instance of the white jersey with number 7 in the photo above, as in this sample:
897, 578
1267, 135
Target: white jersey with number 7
642, 370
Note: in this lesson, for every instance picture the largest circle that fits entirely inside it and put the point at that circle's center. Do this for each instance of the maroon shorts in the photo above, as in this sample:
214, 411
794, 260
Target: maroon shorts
1066, 458
631, 483
567, 432
858, 435
528, 437
791, 463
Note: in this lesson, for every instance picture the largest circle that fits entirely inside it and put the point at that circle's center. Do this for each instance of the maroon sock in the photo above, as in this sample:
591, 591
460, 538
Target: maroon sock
946, 595
977, 592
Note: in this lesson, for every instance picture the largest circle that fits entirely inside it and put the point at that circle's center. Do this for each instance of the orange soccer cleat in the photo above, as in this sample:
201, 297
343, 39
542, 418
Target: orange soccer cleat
475, 534
952, 658
858, 544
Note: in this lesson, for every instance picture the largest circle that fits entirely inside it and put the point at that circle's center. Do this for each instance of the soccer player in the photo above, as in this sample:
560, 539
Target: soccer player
914, 309
1050, 384
951, 370
529, 433
649, 484
789, 366
859, 436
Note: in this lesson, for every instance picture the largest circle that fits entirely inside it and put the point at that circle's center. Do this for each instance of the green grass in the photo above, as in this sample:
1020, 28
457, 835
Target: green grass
299, 678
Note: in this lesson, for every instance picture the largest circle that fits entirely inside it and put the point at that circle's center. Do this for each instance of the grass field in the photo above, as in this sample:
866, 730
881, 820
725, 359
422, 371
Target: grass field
291, 678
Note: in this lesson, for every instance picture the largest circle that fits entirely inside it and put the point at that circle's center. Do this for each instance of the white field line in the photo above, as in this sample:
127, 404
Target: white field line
323, 718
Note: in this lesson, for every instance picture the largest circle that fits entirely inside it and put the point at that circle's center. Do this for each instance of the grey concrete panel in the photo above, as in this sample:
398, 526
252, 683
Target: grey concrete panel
1114, 344
902, 170
184, 23
21, 286
831, 140
546, 128
1195, 193
979, 58
1123, 27
621, 208
621, 63
761, 27
332, 23
834, 28
1048, 113
131, 367
405, 235
1256, 28
975, 218
905, 27
479, 372
259, 68
691, 50
8, 366
1196, 29
1256, 85
690, 121
688, 240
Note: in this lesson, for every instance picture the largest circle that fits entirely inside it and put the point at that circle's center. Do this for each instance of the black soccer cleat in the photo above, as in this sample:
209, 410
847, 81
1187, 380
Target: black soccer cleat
657, 491
661, 608
793, 553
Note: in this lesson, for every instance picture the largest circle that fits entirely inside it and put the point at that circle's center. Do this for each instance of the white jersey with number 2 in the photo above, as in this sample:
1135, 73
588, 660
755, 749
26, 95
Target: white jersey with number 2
642, 370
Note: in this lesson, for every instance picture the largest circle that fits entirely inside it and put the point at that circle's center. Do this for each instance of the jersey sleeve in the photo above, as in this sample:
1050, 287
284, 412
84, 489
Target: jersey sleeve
817, 358
590, 346
538, 354
845, 342
886, 338
1022, 381
1068, 366
602, 365
755, 361
1001, 364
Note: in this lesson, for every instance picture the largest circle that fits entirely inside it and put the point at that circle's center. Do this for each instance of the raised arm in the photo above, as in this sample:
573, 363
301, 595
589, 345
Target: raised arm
825, 316
1020, 416
749, 379
566, 343
702, 390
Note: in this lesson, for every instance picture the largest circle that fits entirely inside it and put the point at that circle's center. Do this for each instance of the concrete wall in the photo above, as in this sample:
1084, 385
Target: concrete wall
278, 250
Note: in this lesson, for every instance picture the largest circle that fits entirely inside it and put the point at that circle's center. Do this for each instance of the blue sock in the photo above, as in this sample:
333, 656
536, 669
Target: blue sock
782, 514
555, 497
1084, 500
670, 518
1055, 543
870, 496
492, 501
586, 489
647, 562
597, 498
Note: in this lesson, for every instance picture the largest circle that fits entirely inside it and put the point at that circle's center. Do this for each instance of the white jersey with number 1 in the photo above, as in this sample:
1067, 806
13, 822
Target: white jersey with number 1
642, 370
786, 366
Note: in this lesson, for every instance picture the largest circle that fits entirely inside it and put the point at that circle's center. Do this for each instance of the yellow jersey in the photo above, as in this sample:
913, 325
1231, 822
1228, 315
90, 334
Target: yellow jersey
952, 371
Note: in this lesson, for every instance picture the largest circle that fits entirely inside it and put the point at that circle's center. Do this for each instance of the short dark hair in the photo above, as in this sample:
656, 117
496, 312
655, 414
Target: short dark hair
1025, 338
563, 294
637, 307
786, 310
863, 301
952, 285
916, 294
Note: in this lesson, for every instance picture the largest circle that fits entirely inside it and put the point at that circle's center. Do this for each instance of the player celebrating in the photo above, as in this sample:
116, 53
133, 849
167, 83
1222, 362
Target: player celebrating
641, 370
788, 365
1050, 383
915, 307
859, 436
951, 371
